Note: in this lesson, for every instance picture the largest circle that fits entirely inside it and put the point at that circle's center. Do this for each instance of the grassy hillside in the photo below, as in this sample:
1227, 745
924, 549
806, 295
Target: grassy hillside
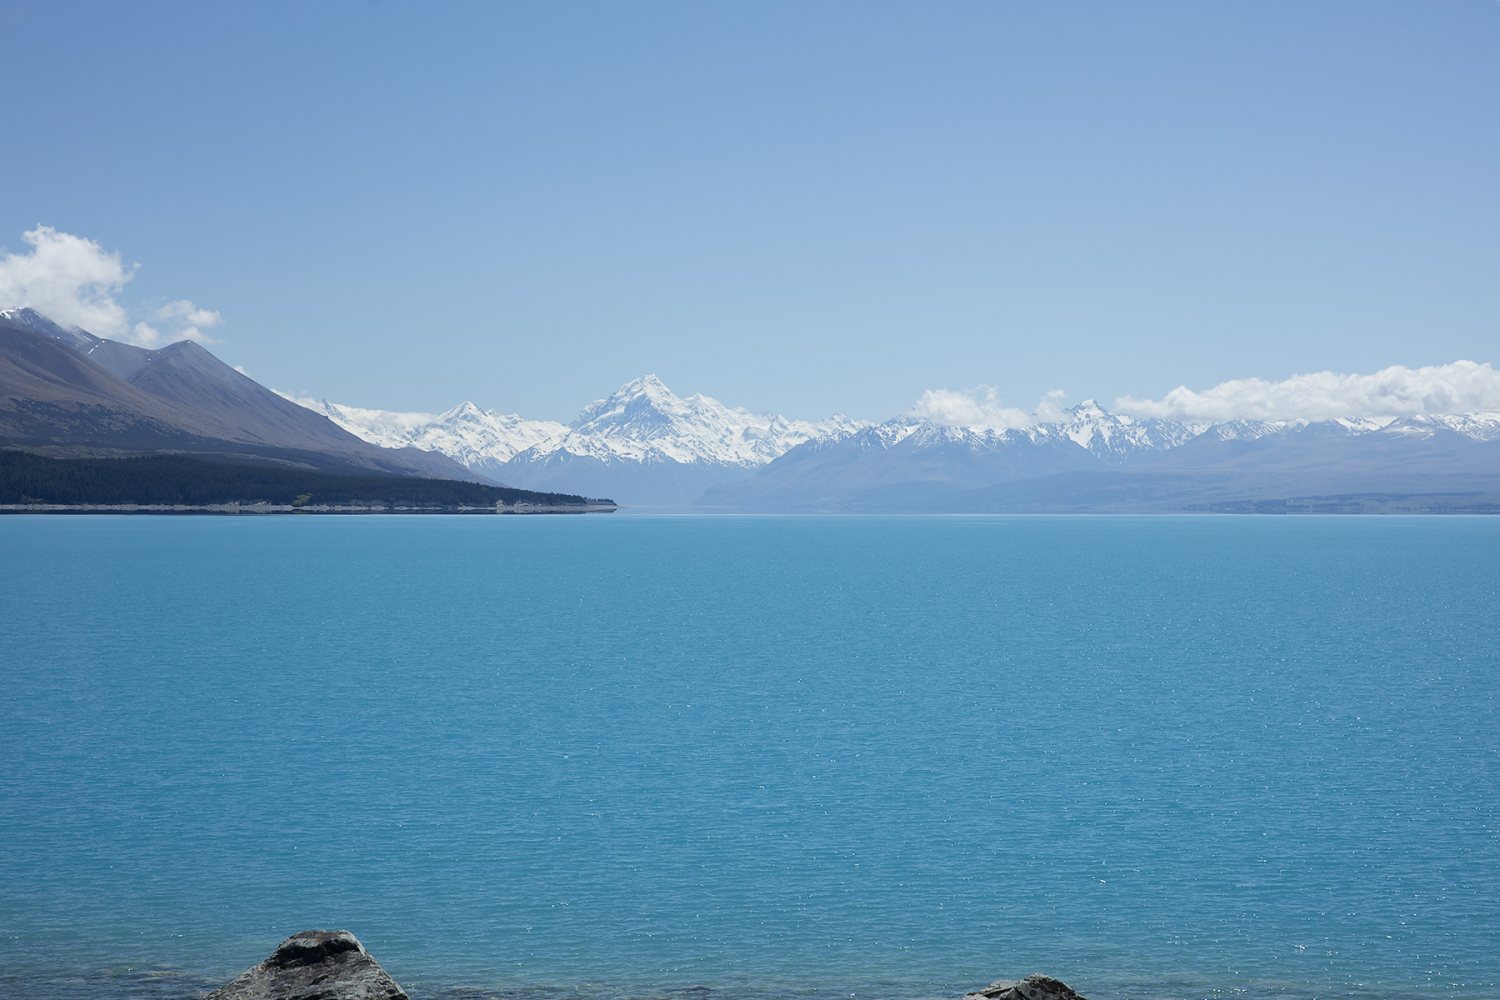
28, 478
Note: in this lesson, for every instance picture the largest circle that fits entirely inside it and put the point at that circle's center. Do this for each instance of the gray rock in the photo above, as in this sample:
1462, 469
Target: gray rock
314, 965
1033, 987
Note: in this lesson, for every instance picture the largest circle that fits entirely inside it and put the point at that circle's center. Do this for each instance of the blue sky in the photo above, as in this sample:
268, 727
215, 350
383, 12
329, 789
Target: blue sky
804, 207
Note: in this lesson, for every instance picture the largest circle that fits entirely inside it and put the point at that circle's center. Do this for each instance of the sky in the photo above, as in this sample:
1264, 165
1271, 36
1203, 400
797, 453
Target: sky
800, 207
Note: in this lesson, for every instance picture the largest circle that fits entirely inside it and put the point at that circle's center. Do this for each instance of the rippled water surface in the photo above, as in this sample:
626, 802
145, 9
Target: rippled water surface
754, 758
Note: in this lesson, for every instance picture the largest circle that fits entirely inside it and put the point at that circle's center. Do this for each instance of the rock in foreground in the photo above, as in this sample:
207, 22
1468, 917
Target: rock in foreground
333, 965
314, 965
1033, 987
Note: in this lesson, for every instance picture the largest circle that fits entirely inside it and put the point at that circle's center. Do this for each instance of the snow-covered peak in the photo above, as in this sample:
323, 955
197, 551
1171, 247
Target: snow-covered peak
648, 385
463, 411
74, 337
1361, 425
1243, 430
642, 421
474, 437
1110, 436
1483, 425
28, 317
879, 437
1089, 409
1114, 437
645, 421
642, 408
387, 428
24, 316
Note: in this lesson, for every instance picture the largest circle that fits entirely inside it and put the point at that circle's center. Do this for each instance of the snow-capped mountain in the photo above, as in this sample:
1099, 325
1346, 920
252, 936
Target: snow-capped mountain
72, 337
1093, 459
643, 421
903, 464
646, 446
1115, 438
1481, 426
479, 439
642, 442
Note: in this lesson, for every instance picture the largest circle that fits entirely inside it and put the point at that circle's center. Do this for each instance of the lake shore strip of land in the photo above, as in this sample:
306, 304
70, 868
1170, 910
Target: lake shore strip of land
286, 508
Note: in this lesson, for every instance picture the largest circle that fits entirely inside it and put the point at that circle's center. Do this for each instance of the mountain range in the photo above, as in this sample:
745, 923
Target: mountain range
650, 447
641, 441
67, 393
1093, 460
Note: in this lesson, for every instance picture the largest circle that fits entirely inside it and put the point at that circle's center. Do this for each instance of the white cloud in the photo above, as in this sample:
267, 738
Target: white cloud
1398, 391
981, 407
75, 281
188, 313
184, 321
68, 278
1460, 387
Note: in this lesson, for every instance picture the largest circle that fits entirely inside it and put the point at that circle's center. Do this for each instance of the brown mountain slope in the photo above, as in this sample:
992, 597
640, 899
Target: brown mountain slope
64, 391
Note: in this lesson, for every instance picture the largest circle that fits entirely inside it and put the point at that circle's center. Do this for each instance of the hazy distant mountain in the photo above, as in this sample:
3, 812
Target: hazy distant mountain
898, 464
642, 444
1114, 438
480, 440
64, 391
914, 464
1095, 460
646, 446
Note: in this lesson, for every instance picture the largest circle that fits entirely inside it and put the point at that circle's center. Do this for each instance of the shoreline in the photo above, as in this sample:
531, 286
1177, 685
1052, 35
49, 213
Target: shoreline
235, 508
132, 981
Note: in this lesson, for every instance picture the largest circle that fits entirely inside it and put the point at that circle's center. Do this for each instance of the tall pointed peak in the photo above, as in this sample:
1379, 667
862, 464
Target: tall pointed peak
30, 318
1089, 408
24, 314
648, 392
75, 337
467, 409
649, 385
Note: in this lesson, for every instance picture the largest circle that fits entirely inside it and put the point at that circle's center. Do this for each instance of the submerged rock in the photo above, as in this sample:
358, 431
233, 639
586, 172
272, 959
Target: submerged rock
1033, 987
314, 965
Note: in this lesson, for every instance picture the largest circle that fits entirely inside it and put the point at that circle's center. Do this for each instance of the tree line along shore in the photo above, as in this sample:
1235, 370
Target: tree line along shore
168, 483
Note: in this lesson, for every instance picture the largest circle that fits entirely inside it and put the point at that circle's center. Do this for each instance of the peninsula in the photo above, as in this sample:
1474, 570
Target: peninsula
167, 484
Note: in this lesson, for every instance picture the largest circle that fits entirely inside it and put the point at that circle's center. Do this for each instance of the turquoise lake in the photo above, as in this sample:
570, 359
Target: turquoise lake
881, 759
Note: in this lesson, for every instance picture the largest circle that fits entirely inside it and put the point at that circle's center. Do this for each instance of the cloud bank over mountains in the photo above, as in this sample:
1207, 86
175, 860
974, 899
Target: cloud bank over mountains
75, 281
1397, 391
981, 407
183, 321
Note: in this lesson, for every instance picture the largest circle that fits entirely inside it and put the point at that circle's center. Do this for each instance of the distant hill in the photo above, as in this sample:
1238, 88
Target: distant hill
66, 392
